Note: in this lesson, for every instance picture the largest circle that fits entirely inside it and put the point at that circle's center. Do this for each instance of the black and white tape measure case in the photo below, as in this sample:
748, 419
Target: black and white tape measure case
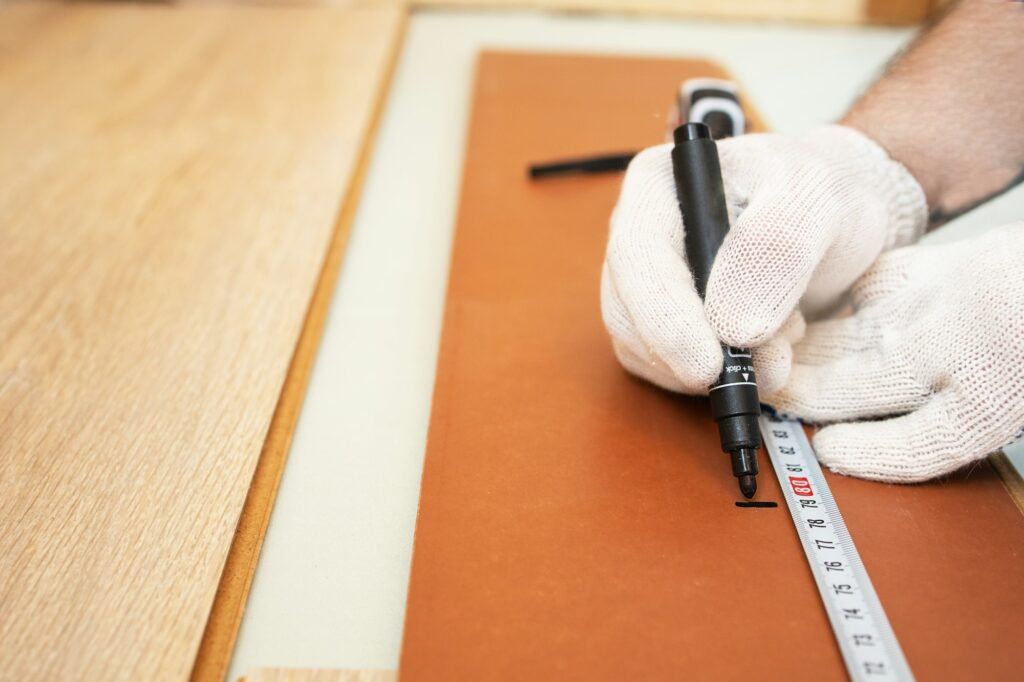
865, 638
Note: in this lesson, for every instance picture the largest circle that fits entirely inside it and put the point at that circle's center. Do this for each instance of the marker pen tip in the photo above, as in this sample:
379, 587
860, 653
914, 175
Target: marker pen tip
748, 486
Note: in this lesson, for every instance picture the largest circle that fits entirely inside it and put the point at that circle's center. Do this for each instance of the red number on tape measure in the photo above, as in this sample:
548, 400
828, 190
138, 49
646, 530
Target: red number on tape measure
801, 486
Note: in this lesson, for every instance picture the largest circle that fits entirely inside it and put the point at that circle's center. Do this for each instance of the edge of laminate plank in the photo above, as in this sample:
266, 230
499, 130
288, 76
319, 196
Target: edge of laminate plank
1012, 480
838, 12
218, 642
827, 12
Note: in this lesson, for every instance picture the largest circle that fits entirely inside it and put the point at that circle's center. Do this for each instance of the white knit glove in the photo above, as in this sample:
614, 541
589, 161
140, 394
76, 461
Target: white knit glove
809, 214
937, 337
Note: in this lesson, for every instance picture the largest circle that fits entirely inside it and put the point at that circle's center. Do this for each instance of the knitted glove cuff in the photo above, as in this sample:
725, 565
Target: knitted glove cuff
898, 189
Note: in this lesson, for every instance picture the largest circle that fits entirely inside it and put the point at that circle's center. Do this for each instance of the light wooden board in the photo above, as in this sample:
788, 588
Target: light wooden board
309, 675
169, 179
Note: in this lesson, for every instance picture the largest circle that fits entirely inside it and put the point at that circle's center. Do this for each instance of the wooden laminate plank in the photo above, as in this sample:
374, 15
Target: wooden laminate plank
169, 181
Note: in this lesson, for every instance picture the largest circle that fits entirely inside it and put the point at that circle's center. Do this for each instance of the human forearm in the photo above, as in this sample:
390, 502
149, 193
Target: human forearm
951, 109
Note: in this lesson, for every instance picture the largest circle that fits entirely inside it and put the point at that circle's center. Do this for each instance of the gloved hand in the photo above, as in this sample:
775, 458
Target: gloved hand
809, 214
937, 337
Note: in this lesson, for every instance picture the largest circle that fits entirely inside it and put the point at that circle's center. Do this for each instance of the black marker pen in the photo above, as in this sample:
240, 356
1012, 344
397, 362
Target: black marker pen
734, 402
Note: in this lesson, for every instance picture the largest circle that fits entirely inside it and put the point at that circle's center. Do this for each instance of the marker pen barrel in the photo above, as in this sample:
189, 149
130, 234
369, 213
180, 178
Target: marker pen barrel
734, 401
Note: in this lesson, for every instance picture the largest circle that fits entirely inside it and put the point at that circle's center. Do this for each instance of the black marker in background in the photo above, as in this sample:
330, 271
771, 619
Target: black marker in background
734, 402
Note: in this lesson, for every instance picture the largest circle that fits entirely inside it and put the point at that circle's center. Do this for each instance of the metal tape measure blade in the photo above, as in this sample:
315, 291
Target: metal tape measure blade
865, 637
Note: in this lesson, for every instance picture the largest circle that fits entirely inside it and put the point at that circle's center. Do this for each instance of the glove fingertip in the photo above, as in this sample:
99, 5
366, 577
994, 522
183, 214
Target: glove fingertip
773, 363
646, 367
865, 450
706, 362
827, 447
753, 331
740, 317
794, 328
836, 449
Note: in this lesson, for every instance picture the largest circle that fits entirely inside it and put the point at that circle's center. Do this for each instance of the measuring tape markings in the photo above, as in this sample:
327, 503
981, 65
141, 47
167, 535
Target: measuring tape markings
866, 639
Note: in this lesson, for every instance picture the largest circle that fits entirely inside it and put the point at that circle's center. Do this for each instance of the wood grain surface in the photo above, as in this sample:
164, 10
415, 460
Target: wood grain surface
169, 181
